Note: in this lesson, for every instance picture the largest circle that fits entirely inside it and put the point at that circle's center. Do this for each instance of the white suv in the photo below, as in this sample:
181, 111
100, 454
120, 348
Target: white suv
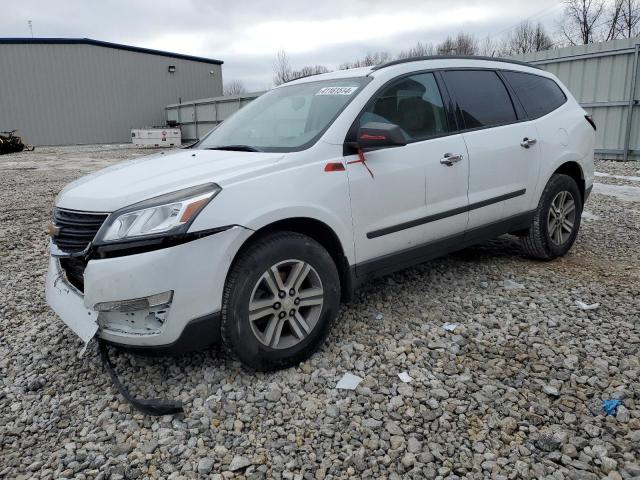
255, 234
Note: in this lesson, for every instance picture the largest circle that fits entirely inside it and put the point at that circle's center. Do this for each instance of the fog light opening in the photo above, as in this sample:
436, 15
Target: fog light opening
135, 304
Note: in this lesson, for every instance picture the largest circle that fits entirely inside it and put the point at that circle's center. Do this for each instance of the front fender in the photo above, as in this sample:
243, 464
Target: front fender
336, 223
303, 191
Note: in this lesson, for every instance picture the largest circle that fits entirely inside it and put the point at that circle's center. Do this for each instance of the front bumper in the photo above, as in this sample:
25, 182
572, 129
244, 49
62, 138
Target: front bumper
194, 271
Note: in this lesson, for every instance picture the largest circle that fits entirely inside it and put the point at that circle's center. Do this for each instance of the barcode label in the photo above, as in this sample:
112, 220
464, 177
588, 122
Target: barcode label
336, 90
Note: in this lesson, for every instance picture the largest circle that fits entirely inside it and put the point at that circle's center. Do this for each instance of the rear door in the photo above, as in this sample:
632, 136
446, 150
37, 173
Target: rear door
504, 157
412, 197
542, 99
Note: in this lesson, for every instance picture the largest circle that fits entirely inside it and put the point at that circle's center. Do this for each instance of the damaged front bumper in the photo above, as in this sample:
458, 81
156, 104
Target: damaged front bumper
161, 301
68, 303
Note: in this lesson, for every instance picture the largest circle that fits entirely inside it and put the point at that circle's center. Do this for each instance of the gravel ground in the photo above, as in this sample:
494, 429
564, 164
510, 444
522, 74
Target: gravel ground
515, 391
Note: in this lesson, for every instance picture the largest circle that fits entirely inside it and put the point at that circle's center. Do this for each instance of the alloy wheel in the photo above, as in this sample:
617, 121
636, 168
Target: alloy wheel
561, 218
285, 304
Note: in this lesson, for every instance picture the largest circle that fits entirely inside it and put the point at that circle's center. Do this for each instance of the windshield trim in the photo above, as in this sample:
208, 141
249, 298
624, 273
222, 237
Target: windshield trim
365, 81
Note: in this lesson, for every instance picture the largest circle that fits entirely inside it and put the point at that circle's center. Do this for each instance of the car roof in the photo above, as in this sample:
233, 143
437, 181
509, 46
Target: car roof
451, 57
347, 73
419, 63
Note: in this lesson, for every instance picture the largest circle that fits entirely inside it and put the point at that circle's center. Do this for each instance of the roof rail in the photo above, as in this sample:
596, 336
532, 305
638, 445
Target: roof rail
451, 57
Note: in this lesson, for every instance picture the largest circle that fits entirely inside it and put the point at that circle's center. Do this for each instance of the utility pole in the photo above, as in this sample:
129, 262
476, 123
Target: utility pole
30, 23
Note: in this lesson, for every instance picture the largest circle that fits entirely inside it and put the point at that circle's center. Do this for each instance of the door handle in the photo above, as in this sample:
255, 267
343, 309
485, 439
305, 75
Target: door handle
527, 142
451, 158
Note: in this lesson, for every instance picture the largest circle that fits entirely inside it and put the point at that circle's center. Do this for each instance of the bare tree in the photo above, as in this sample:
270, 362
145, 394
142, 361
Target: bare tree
372, 58
234, 87
542, 40
310, 70
461, 44
588, 21
418, 50
582, 20
488, 47
447, 47
612, 18
527, 38
282, 72
629, 19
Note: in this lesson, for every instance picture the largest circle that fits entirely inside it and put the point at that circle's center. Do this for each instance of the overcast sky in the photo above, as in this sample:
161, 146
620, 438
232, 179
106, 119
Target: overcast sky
246, 34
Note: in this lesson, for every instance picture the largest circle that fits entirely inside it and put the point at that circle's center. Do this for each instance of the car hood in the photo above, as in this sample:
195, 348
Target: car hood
132, 181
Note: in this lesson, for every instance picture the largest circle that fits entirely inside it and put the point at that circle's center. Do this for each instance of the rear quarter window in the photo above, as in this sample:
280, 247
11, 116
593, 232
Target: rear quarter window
538, 95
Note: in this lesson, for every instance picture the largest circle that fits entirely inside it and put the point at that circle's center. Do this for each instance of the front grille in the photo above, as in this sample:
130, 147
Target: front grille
74, 270
77, 229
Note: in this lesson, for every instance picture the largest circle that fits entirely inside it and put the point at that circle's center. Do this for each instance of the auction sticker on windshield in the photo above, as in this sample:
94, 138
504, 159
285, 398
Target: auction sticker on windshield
336, 90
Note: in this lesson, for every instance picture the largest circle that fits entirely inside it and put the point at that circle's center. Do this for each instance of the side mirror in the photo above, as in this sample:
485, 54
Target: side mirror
378, 134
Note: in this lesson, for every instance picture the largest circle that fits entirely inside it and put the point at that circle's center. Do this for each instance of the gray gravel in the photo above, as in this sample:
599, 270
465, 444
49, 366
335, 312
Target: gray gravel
515, 391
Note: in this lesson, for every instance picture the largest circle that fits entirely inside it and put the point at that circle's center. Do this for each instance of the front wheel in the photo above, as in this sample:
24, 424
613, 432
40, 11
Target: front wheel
280, 299
556, 220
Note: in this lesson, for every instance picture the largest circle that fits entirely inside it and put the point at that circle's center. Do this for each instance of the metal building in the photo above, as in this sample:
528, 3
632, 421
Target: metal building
59, 91
605, 79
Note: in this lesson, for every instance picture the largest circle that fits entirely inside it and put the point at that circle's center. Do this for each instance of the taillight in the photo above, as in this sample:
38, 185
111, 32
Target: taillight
591, 122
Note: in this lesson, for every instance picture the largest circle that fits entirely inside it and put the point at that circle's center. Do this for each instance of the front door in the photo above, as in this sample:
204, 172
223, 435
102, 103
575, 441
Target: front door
417, 193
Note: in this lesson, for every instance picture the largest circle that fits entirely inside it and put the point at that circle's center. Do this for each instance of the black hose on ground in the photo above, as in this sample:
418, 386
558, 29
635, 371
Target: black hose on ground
155, 407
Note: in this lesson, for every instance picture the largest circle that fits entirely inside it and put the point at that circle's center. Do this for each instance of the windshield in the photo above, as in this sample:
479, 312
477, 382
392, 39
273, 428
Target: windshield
285, 119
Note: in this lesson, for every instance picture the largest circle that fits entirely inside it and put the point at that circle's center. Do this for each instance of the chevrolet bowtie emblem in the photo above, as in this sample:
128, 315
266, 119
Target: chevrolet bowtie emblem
53, 230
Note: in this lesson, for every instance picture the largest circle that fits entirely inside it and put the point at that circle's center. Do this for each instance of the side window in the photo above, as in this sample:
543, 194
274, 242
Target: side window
538, 95
413, 103
481, 97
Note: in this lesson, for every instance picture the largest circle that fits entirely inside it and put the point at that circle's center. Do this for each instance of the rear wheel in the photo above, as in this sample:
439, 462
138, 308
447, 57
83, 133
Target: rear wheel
280, 299
556, 220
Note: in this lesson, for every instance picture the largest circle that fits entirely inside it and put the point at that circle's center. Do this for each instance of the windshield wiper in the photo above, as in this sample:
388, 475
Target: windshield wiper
235, 148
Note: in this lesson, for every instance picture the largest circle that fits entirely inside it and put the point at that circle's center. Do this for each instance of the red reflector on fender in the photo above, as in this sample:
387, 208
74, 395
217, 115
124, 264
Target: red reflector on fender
334, 167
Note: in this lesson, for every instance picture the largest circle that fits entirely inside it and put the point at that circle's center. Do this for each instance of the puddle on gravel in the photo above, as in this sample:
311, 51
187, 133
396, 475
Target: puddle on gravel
623, 192
619, 177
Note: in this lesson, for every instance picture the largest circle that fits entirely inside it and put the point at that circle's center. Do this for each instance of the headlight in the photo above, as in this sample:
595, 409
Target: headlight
167, 214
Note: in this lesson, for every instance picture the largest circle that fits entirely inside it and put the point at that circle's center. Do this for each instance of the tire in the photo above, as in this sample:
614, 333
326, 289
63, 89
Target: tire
16, 144
251, 285
542, 240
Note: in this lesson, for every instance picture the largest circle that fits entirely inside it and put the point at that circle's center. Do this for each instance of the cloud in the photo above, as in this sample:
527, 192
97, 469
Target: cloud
300, 36
247, 34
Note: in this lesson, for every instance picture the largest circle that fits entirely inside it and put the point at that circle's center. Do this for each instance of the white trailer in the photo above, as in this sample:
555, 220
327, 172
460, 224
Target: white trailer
157, 136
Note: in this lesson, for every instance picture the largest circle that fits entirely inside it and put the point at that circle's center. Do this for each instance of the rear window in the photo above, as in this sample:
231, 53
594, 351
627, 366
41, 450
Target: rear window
481, 98
538, 95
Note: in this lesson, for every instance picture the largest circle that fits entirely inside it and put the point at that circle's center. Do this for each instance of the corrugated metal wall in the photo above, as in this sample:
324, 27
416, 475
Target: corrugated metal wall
200, 116
58, 94
605, 79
